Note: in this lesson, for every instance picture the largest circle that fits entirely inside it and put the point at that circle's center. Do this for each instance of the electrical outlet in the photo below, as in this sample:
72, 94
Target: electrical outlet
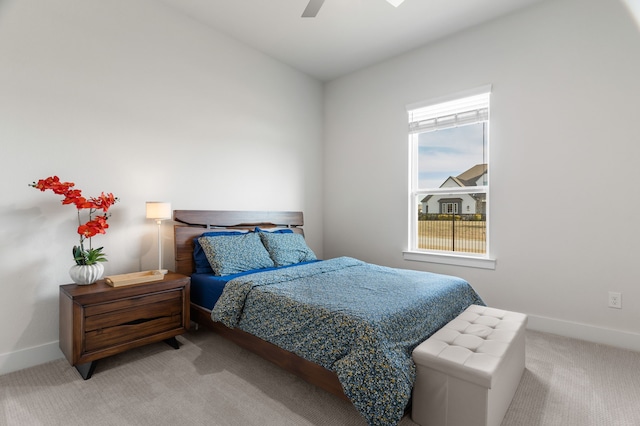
615, 300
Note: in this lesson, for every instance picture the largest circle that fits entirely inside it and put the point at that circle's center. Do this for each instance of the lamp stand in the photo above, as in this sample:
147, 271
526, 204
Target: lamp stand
163, 271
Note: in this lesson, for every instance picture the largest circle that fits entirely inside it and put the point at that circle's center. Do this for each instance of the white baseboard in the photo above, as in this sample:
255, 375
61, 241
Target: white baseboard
590, 333
25, 358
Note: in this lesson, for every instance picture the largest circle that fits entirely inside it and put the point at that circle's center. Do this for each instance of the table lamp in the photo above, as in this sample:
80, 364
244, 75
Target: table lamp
159, 211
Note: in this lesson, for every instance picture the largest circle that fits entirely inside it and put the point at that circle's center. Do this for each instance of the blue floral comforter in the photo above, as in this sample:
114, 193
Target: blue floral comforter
361, 321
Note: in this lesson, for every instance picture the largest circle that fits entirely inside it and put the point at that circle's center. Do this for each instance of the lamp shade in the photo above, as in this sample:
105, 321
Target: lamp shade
158, 210
395, 3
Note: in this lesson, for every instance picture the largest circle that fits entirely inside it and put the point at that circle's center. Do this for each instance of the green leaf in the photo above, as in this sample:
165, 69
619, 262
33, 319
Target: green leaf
88, 257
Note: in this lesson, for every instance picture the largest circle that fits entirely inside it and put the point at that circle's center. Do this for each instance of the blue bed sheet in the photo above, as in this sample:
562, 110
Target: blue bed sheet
206, 288
361, 321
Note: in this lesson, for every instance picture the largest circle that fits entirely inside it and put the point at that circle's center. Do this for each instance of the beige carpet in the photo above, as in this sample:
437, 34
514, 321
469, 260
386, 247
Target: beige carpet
210, 381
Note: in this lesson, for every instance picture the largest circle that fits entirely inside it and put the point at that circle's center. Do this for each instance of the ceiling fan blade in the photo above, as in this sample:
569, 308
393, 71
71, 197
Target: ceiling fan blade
312, 8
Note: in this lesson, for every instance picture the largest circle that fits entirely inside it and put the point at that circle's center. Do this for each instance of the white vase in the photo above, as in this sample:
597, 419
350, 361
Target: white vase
86, 274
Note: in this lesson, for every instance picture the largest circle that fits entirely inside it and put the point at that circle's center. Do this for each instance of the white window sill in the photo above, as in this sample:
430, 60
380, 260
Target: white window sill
451, 259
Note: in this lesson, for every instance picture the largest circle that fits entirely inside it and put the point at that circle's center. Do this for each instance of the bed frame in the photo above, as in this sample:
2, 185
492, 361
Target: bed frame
192, 223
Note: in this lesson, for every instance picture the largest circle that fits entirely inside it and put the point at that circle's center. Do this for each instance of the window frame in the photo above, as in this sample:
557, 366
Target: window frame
479, 260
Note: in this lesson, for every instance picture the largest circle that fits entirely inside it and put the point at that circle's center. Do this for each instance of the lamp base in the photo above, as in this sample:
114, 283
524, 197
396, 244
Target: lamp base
163, 271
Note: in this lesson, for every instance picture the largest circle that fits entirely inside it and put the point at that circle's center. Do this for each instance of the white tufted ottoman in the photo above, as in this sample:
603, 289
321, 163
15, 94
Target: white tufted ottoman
468, 371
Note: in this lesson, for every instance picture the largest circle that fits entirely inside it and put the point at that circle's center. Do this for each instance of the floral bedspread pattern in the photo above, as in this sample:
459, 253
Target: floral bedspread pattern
360, 320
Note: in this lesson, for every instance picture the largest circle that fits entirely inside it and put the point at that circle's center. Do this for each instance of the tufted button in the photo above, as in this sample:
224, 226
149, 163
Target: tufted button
479, 330
488, 321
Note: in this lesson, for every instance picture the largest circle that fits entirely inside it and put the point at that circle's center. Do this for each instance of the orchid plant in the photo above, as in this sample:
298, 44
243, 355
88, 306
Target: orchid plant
97, 224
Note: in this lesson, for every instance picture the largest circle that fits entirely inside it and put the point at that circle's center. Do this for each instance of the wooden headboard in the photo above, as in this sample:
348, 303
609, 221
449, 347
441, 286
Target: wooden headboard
192, 223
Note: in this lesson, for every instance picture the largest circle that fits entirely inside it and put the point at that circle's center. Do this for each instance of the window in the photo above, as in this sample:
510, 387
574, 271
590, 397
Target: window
449, 178
449, 208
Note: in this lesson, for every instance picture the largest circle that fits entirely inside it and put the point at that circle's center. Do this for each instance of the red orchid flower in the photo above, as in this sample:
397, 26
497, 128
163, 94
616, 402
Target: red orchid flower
93, 226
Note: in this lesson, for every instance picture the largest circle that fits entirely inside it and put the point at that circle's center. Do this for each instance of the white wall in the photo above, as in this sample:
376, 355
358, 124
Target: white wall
129, 97
564, 135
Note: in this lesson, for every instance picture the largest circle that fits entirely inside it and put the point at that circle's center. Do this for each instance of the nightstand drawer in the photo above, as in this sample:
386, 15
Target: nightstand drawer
124, 321
91, 312
125, 310
126, 333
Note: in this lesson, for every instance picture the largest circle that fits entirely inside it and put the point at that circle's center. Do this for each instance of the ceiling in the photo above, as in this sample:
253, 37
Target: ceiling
346, 35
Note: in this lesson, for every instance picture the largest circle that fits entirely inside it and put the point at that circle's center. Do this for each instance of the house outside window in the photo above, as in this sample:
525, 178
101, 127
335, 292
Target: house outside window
449, 176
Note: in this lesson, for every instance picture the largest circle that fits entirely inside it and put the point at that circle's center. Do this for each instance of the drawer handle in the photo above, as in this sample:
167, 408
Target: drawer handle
141, 321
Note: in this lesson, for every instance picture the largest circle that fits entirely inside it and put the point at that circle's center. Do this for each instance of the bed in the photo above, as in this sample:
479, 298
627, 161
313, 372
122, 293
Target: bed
342, 324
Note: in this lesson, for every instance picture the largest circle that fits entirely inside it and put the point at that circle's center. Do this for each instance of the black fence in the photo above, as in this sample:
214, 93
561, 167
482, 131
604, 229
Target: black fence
460, 233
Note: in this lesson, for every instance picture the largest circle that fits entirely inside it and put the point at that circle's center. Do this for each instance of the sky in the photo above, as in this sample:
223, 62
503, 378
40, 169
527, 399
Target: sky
448, 152
634, 9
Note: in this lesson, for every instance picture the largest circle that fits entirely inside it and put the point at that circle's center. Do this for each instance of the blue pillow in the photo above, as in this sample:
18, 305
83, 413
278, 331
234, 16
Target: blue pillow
287, 248
199, 258
233, 254
275, 231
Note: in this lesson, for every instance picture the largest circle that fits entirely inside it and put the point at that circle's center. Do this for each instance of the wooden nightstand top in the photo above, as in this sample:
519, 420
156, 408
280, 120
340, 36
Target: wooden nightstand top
101, 291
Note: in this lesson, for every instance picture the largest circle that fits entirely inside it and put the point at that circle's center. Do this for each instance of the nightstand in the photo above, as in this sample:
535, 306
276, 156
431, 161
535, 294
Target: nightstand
97, 320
